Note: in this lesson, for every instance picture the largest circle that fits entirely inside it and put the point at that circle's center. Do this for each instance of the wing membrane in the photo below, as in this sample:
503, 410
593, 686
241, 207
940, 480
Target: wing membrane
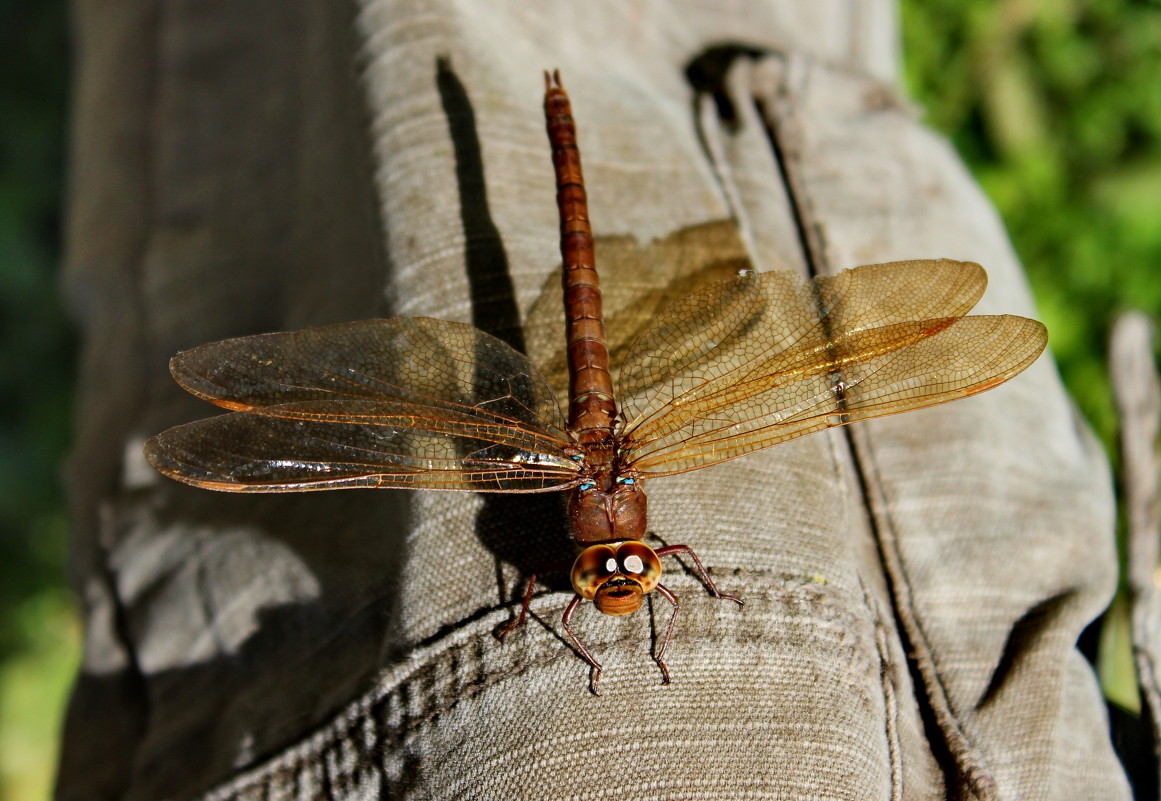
436, 363
312, 445
383, 403
734, 327
772, 359
897, 292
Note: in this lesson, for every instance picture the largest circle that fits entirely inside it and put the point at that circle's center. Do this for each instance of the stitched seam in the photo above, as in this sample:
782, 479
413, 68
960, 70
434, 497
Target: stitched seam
323, 749
965, 757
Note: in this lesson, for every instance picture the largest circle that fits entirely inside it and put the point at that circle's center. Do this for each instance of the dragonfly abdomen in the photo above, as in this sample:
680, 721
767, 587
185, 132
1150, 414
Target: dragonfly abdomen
592, 408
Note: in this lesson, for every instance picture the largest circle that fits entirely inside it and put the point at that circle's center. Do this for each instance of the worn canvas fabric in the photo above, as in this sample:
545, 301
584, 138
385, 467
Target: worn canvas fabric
914, 585
1137, 390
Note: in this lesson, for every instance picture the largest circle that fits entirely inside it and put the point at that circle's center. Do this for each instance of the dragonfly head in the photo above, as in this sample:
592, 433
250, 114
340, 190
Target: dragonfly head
616, 576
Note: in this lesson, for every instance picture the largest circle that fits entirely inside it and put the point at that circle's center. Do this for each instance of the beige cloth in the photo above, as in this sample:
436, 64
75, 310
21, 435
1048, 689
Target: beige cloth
338, 645
1137, 389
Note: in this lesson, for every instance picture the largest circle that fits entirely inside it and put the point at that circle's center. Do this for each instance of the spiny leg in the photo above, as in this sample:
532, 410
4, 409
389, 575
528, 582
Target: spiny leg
584, 652
504, 631
557, 567
660, 655
670, 550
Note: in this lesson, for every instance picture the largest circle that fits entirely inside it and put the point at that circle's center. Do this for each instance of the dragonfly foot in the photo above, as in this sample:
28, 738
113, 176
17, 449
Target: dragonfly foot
664, 671
595, 679
502, 631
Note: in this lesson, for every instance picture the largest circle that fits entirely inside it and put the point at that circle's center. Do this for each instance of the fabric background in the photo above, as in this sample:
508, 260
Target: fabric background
1137, 389
235, 173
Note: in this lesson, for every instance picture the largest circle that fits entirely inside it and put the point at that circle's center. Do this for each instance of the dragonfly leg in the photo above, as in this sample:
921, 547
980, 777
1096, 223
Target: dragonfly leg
660, 656
504, 631
584, 652
670, 550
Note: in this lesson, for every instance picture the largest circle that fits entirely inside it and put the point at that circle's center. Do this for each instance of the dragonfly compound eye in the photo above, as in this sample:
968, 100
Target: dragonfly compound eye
638, 561
595, 565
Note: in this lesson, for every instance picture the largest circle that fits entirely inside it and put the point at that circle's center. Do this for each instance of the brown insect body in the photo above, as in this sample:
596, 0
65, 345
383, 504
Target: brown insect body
598, 515
603, 508
739, 365
592, 411
607, 511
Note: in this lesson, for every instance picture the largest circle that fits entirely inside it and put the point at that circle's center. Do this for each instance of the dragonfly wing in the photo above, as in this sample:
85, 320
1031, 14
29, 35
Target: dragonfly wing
332, 444
740, 324
704, 338
436, 363
770, 359
877, 295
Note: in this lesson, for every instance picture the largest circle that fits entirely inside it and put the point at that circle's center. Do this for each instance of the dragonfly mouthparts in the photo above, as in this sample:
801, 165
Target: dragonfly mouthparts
617, 582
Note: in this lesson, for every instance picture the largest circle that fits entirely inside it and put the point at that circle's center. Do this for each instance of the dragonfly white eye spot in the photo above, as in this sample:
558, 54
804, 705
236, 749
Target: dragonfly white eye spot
633, 564
593, 567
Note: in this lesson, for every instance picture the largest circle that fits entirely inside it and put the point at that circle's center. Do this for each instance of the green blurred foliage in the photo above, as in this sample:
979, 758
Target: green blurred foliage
1056, 106
38, 639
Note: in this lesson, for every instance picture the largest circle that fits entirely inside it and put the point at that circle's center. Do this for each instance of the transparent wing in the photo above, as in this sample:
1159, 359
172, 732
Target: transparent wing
388, 403
766, 358
314, 445
433, 362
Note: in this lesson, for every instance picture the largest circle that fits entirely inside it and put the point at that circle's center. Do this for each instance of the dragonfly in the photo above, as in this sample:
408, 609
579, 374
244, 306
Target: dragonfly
734, 366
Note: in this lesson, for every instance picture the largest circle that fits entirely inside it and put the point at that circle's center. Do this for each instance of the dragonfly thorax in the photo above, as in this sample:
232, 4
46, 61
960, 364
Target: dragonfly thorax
606, 507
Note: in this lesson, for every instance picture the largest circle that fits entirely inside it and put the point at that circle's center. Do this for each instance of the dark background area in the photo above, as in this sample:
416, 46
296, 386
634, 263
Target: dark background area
1055, 106
39, 640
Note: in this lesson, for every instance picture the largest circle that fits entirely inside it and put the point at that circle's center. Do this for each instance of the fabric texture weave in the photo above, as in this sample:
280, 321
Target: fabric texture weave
914, 586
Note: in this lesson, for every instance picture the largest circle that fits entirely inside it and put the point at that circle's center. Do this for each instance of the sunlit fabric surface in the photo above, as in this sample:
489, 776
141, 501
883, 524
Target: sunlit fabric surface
915, 585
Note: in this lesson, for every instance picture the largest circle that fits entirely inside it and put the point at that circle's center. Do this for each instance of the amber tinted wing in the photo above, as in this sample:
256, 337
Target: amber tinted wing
765, 358
388, 403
